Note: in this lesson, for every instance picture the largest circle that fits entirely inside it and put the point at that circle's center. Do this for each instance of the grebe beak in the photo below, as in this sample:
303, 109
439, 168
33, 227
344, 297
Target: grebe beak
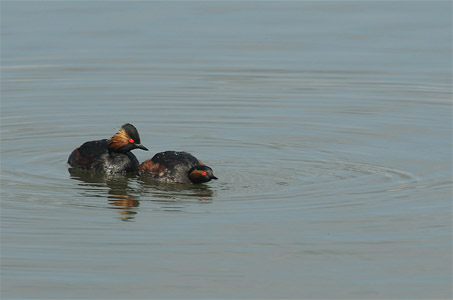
140, 146
213, 177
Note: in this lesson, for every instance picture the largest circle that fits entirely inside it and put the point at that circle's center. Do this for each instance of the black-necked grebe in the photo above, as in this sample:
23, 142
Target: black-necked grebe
109, 155
178, 167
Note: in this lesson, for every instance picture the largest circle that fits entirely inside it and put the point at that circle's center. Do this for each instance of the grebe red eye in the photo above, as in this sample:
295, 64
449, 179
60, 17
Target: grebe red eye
203, 173
131, 140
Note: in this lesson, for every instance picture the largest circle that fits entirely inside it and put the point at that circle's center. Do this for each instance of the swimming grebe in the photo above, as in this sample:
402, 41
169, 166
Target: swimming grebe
178, 167
109, 155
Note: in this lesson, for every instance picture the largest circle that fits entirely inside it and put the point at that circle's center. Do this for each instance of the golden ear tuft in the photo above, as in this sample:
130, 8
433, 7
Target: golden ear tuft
120, 139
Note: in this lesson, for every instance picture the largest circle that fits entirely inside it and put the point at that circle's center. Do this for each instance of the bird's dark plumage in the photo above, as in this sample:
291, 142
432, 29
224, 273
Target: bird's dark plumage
179, 167
109, 155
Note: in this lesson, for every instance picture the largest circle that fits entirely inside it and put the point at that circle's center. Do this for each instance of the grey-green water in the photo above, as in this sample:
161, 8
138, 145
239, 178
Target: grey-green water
329, 125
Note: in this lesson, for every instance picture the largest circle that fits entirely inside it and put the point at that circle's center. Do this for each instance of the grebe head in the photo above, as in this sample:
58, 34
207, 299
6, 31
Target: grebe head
125, 140
200, 174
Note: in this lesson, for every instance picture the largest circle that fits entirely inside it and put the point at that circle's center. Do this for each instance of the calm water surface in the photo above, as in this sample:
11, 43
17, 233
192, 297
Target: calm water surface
329, 125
